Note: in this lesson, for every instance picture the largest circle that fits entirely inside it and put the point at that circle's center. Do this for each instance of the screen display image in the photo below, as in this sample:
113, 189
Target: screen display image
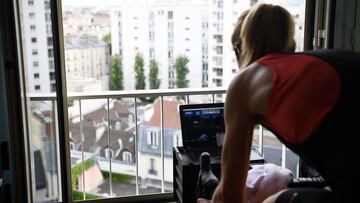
203, 126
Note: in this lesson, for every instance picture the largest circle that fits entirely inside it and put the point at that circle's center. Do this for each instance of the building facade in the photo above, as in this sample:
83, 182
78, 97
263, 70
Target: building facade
37, 45
161, 31
86, 58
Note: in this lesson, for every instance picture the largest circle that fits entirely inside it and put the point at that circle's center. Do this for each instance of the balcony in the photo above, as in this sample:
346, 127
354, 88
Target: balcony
121, 148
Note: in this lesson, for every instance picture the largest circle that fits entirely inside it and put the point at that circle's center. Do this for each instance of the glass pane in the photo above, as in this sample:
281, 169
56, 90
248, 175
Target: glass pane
38, 60
172, 135
149, 146
44, 151
175, 44
122, 175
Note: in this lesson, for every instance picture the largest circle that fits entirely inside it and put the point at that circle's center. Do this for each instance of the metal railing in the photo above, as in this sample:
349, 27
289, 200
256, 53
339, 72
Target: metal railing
136, 95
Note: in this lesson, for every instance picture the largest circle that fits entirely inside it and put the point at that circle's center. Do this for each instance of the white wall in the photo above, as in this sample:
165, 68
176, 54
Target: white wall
41, 45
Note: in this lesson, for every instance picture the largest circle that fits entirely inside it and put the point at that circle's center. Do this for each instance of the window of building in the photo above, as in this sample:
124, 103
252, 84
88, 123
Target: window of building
34, 52
33, 40
37, 87
219, 49
72, 146
36, 75
127, 157
50, 41
170, 15
47, 5
52, 75
48, 29
31, 2
32, 27
36, 64
152, 167
48, 17
177, 141
50, 53
109, 153
152, 139
32, 15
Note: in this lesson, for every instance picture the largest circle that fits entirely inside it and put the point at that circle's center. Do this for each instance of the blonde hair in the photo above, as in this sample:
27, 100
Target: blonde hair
266, 29
235, 37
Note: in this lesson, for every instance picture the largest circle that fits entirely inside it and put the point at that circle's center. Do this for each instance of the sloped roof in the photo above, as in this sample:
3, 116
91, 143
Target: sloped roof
171, 114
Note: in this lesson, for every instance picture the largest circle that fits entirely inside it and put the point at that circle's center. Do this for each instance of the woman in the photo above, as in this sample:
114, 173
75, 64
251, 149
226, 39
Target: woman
305, 99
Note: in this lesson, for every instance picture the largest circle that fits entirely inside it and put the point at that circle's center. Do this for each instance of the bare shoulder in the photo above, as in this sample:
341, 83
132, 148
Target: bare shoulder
251, 88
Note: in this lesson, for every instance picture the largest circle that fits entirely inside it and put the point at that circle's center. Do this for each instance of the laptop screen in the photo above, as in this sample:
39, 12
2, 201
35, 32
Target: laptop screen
202, 125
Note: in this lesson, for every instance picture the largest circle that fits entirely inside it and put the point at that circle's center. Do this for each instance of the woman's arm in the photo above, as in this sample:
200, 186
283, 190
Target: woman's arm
246, 99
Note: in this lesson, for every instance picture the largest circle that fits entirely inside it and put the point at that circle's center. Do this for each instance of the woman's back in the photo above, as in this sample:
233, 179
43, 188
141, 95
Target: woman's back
327, 134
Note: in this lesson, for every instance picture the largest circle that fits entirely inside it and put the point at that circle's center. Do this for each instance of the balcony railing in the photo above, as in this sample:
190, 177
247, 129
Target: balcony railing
136, 96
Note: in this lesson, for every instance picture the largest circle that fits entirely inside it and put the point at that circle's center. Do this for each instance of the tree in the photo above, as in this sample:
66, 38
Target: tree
116, 73
181, 71
107, 38
139, 72
153, 75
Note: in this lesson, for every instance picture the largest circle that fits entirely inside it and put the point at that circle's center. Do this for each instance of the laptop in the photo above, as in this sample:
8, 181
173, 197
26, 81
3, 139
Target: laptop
203, 130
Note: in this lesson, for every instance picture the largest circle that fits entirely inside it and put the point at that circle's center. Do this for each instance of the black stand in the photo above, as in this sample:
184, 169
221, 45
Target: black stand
186, 176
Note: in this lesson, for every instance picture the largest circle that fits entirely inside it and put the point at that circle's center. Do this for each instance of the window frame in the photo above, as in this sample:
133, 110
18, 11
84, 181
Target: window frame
58, 55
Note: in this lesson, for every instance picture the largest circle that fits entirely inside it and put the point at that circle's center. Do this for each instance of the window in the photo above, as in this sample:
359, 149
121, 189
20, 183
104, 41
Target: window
50, 41
53, 87
152, 167
36, 64
72, 146
48, 29
52, 75
31, 2
109, 153
50, 53
37, 87
152, 139
167, 30
127, 157
47, 5
170, 15
48, 17
219, 50
34, 52
177, 141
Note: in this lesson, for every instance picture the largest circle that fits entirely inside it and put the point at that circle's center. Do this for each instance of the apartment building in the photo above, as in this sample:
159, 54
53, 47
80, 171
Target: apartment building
86, 60
37, 45
161, 30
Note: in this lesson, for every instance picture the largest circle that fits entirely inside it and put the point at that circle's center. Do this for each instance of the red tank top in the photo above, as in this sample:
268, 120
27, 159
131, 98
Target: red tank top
305, 89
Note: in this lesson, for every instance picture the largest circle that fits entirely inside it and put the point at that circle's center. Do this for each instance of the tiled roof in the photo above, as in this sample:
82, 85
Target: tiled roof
171, 114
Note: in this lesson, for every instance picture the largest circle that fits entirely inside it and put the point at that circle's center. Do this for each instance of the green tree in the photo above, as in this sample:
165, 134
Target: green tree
107, 38
153, 75
116, 82
139, 72
181, 71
